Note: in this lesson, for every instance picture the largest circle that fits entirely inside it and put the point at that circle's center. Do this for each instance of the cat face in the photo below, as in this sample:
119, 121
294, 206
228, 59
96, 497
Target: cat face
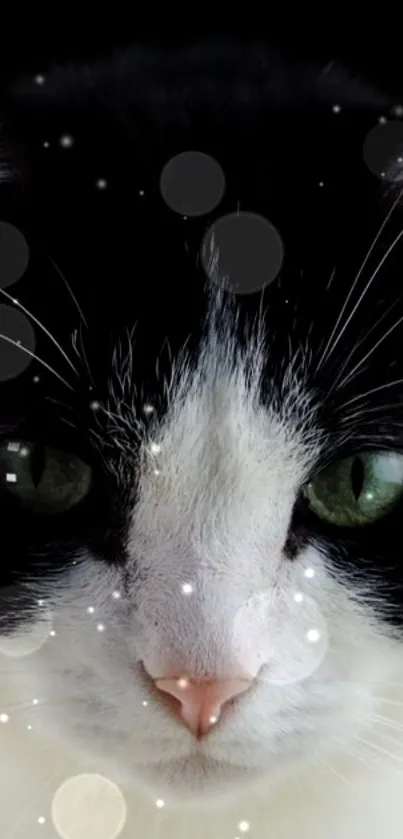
210, 488
222, 571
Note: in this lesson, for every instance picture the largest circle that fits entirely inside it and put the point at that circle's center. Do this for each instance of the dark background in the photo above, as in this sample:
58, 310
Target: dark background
374, 48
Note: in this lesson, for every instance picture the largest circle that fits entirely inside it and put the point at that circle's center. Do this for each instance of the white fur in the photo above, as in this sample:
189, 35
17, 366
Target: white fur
305, 753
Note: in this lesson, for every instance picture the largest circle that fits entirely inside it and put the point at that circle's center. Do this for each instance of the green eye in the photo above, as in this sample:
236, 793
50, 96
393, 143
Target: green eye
45, 480
358, 490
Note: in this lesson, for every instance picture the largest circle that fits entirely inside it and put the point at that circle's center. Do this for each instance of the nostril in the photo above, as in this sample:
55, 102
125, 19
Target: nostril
169, 702
198, 704
165, 699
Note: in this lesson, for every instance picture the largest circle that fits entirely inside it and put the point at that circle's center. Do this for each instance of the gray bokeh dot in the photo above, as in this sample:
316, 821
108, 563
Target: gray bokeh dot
15, 326
192, 183
383, 151
14, 254
243, 252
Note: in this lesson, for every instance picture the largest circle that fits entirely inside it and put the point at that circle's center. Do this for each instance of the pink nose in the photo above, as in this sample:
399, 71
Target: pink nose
199, 702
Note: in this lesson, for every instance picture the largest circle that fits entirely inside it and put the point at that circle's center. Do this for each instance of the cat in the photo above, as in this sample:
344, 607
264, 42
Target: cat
201, 479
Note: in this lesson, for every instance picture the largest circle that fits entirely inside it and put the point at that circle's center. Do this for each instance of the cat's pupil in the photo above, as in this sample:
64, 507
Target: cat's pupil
37, 464
357, 477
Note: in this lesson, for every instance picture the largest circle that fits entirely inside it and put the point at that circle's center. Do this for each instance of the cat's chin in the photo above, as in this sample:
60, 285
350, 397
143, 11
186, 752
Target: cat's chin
198, 776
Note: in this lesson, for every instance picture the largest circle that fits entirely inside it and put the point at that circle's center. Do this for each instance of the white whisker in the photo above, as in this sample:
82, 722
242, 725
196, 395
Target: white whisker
329, 348
364, 411
370, 352
358, 344
74, 342
372, 391
36, 357
379, 719
388, 738
84, 357
41, 326
395, 702
354, 754
59, 402
63, 278
67, 422
334, 771
331, 278
379, 749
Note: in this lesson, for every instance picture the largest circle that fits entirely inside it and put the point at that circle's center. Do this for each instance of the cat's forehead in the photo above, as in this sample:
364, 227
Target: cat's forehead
218, 473
217, 420
221, 406
133, 263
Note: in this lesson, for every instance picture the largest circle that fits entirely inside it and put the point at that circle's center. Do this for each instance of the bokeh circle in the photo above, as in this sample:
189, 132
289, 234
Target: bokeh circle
383, 151
242, 252
292, 646
14, 254
192, 183
89, 806
16, 329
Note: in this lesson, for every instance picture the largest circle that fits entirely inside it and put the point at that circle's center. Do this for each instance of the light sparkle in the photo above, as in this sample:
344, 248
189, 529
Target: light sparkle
313, 635
66, 141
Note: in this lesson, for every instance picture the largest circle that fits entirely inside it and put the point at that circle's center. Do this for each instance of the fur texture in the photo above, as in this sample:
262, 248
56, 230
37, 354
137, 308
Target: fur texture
203, 416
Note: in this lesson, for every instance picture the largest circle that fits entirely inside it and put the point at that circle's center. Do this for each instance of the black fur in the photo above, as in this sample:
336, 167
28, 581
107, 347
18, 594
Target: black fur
129, 260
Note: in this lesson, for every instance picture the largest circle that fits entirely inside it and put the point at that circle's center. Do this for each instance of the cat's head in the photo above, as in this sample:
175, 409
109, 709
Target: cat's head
200, 494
